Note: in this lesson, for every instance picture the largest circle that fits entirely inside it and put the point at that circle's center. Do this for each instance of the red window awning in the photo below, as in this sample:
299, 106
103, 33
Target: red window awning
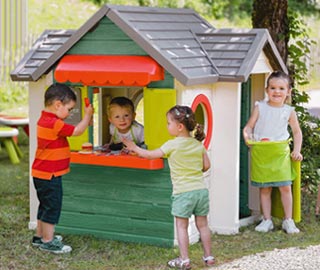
111, 70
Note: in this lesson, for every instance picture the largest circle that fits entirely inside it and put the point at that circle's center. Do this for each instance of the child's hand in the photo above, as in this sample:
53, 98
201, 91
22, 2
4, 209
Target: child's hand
88, 110
296, 156
130, 145
87, 101
83, 124
248, 142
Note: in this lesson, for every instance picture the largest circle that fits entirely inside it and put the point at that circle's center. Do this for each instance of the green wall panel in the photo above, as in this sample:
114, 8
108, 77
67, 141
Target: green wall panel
119, 208
121, 237
118, 203
244, 159
128, 226
106, 38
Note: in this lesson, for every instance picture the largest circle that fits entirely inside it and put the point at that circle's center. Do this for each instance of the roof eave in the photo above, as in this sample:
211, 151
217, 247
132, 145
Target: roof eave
253, 54
271, 48
15, 73
19, 78
236, 78
198, 80
69, 43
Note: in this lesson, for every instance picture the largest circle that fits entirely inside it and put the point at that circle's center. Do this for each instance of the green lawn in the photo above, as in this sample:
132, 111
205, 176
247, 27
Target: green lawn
92, 253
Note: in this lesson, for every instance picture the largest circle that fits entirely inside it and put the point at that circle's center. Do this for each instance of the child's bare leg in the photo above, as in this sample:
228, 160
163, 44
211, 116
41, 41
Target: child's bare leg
286, 199
39, 228
183, 237
205, 234
265, 200
47, 231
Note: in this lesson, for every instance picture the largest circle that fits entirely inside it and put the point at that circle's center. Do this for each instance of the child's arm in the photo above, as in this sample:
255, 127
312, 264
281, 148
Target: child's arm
82, 125
206, 162
248, 129
149, 154
297, 137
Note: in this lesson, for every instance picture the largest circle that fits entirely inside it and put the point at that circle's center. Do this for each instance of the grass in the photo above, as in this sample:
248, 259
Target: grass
92, 253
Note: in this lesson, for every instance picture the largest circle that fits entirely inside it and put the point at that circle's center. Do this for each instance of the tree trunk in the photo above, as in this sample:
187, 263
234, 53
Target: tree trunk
272, 14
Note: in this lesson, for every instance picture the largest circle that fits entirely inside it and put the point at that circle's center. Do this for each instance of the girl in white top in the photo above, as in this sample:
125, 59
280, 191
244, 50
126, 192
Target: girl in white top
269, 121
188, 160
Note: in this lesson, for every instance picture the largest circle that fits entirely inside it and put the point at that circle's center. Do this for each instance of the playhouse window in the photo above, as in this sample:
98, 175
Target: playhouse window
203, 114
101, 102
100, 136
199, 115
140, 111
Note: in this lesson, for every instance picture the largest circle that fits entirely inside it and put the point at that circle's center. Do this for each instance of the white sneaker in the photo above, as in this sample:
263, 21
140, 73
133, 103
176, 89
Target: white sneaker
266, 225
289, 227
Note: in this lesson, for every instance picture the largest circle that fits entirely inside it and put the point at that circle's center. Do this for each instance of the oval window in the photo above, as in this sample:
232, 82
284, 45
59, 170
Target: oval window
203, 113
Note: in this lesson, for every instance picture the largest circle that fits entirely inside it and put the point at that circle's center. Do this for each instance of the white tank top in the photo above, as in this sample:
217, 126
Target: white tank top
272, 122
136, 133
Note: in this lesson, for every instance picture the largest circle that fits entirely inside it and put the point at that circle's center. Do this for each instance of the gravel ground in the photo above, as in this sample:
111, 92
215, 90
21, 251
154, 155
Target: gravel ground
278, 259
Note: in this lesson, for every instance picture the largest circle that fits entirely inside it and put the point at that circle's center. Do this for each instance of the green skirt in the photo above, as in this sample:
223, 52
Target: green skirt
271, 162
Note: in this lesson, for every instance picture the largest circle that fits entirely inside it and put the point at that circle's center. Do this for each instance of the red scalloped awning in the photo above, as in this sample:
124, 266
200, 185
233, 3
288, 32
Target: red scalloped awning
108, 70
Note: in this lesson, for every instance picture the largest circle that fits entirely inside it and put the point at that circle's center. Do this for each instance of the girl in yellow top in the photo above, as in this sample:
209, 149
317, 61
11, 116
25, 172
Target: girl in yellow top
188, 160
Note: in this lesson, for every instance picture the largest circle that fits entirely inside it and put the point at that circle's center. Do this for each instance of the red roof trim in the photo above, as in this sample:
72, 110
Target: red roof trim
105, 70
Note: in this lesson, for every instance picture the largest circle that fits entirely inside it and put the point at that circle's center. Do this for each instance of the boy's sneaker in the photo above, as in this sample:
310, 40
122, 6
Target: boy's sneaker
266, 225
55, 246
178, 263
289, 227
37, 241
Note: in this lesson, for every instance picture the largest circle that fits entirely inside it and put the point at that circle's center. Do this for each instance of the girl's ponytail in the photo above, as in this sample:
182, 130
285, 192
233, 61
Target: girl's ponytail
199, 133
185, 116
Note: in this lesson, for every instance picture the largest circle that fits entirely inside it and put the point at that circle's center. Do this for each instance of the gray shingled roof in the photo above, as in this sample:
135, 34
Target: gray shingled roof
33, 65
235, 51
185, 44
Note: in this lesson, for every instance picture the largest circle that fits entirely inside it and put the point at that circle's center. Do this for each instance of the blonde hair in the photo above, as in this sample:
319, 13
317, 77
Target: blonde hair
121, 102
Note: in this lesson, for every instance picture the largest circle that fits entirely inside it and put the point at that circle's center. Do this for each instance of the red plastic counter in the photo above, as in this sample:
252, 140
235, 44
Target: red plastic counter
125, 161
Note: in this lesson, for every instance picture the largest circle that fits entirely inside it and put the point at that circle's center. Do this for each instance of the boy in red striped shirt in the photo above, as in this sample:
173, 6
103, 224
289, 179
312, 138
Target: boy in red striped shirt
52, 160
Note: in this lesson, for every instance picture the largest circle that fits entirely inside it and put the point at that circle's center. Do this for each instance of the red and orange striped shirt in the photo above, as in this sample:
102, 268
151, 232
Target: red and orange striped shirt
53, 153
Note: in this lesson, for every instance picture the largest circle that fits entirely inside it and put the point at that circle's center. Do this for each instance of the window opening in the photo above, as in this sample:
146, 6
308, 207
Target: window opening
203, 113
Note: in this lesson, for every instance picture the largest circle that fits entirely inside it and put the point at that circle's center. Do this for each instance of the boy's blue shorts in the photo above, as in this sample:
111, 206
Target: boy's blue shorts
49, 194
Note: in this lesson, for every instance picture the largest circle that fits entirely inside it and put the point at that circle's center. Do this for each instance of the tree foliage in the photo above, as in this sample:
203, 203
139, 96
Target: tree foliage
218, 9
299, 52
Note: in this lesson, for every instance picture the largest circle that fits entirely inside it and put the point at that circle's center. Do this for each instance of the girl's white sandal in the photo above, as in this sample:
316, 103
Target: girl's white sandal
209, 261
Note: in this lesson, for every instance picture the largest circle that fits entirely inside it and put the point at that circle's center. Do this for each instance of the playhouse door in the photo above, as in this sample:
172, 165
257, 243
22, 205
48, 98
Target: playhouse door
244, 157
